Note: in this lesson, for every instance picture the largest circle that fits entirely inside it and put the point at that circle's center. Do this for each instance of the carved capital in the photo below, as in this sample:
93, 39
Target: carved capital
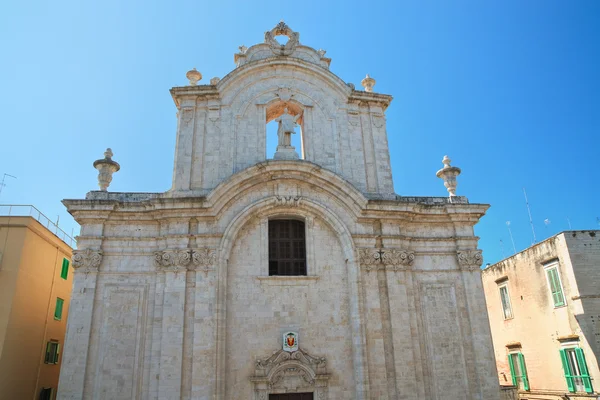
382, 258
204, 259
469, 259
87, 260
288, 201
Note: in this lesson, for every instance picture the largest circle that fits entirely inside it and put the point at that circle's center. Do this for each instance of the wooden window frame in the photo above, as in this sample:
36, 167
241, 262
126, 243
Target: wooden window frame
64, 272
52, 352
58, 308
516, 378
282, 260
504, 285
551, 268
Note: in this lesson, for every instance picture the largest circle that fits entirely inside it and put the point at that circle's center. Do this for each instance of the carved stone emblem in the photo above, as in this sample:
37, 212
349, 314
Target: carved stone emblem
290, 341
87, 259
381, 258
470, 259
284, 93
288, 201
282, 30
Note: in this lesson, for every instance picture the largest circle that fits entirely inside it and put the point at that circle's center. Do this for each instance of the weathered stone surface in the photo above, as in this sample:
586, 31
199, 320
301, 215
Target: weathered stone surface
185, 274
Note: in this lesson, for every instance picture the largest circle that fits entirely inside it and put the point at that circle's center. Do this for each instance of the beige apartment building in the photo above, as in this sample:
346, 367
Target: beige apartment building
35, 288
544, 311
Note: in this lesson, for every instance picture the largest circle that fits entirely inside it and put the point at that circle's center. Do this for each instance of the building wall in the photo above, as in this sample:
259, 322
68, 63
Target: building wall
536, 323
31, 324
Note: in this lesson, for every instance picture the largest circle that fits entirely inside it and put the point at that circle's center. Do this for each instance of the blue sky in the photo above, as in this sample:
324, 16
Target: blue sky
510, 90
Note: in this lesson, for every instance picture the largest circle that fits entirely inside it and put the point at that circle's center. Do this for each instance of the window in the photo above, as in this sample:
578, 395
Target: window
575, 369
518, 372
505, 299
555, 284
291, 396
287, 247
52, 352
46, 394
58, 308
64, 272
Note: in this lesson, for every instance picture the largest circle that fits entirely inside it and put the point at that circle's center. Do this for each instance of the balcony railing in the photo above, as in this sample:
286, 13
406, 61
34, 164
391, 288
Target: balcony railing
26, 210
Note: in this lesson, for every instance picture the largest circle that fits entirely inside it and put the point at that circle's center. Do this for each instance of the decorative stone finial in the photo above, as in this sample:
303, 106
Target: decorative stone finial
106, 167
215, 80
243, 49
449, 174
194, 76
368, 83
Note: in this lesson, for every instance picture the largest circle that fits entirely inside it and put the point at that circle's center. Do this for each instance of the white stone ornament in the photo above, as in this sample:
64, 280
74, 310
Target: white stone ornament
290, 342
449, 174
368, 83
193, 76
287, 127
106, 167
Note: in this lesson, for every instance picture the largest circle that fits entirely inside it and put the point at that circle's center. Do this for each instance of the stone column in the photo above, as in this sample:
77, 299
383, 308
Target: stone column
79, 328
182, 172
483, 387
173, 264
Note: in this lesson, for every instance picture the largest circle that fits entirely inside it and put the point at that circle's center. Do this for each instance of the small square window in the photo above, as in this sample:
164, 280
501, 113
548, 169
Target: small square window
64, 272
58, 309
52, 348
46, 394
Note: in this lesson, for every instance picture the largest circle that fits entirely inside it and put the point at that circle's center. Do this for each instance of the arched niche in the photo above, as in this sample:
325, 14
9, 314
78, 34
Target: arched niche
273, 111
296, 372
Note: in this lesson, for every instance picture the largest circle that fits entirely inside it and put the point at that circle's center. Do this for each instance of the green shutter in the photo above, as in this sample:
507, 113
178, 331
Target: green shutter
585, 375
58, 309
523, 371
512, 370
56, 353
555, 287
567, 370
65, 269
47, 357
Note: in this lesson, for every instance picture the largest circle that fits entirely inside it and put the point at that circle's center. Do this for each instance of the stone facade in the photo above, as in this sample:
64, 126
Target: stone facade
181, 305
537, 327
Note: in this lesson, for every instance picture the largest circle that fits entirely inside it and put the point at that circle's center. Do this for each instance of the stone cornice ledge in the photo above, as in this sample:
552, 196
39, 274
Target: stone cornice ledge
288, 280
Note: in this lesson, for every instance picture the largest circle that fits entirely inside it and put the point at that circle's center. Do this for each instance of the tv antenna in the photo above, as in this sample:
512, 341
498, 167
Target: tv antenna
511, 236
2, 184
569, 222
530, 219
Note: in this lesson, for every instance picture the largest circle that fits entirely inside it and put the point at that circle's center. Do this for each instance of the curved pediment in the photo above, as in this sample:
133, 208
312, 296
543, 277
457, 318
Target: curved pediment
272, 48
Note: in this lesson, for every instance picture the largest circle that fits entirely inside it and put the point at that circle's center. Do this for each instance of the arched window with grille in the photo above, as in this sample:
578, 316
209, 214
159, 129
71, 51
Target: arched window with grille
287, 247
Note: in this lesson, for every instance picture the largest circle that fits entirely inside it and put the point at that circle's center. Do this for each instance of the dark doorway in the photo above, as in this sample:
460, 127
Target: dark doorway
291, 396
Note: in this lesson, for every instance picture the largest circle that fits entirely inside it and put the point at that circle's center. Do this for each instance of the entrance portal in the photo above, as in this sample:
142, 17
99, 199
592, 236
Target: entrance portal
291, 396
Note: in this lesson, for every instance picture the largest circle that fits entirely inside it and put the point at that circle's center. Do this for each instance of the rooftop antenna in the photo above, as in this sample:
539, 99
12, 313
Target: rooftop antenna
2, 184
530, 219
511, 236
569, 222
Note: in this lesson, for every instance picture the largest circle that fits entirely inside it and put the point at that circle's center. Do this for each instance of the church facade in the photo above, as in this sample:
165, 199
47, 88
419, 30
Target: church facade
304, 276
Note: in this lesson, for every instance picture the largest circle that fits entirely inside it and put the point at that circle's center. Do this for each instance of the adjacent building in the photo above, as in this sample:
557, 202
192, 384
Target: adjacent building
294, 275
35, 288
544, 310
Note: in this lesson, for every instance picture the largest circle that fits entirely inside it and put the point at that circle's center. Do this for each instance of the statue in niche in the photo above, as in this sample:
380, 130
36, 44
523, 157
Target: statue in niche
287, 125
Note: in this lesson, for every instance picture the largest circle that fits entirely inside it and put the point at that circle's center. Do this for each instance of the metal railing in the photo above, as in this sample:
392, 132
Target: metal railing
26, 210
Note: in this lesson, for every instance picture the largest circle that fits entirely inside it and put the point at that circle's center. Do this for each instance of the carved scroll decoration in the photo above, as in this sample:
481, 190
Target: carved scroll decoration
383, 258
288, 201
203, 259
87, 260
470, 260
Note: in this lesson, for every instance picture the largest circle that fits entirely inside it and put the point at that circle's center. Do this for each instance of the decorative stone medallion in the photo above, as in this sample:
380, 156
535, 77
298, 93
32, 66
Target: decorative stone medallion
290, 341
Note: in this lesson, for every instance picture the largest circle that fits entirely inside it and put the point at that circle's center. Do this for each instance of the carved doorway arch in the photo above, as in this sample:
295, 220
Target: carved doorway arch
296, 372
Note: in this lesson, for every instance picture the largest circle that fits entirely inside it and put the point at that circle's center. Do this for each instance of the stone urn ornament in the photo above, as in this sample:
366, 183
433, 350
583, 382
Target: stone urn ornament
106, 168
193, 76
449, 174
368, 83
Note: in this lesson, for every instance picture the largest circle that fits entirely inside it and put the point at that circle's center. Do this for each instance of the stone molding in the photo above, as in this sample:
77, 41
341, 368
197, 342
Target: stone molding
193, 259
470, 260
285, 372
87, 260
383, 258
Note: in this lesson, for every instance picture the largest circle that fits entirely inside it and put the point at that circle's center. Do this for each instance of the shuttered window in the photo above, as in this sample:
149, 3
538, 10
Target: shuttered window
287, 247
52, 348
518, 372
505, 299
555, 286
575, 370
64, 272
58, 308
46, 394
291, 396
